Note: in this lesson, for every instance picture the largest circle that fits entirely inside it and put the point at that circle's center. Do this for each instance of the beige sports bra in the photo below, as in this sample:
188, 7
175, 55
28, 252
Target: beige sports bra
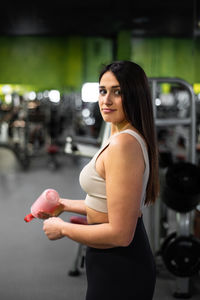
95, 186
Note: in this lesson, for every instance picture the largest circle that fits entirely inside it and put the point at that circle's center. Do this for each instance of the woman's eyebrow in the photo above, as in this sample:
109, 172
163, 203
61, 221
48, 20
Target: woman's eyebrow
113, 87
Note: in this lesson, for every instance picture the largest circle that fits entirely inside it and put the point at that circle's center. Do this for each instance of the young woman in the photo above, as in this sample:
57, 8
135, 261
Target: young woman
119, 181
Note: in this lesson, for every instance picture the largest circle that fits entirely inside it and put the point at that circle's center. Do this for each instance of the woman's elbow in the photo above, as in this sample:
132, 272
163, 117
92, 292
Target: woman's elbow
124, 240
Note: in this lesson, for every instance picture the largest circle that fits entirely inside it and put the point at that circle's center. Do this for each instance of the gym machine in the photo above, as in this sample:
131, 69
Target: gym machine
14, 130
180, 250
87, 147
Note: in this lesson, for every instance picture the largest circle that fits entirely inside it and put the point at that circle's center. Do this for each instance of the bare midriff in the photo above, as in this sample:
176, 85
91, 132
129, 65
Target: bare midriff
96, 217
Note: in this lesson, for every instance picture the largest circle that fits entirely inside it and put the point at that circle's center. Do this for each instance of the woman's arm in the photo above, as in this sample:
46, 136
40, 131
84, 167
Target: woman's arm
124, 167
76, 206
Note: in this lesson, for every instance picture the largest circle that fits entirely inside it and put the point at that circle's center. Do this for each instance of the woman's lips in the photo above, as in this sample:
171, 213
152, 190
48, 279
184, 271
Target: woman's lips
108, 110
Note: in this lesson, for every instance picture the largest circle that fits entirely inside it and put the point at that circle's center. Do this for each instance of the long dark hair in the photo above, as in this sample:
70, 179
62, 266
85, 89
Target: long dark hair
137, 105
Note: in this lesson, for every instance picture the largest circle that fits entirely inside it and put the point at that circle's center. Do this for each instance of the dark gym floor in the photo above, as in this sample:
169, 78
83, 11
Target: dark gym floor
31, 266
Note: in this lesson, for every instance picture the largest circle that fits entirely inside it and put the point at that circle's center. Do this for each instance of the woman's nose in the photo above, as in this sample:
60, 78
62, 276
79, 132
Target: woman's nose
108, 99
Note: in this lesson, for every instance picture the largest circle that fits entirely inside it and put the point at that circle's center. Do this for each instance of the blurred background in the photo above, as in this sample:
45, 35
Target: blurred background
50, 126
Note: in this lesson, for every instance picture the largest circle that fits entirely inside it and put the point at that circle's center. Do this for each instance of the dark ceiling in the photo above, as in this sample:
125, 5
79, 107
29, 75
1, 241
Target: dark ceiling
178, 18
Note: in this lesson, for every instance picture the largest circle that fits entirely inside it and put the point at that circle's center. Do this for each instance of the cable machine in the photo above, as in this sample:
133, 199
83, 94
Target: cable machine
180, 250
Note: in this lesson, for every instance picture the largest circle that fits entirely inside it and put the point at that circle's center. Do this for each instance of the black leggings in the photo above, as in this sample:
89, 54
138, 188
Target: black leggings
122, 272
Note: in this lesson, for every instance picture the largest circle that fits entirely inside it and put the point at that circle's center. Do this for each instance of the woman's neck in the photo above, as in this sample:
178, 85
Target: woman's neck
115, 128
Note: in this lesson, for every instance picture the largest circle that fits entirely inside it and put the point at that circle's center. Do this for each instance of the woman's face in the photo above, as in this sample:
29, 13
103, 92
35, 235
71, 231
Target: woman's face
110, 99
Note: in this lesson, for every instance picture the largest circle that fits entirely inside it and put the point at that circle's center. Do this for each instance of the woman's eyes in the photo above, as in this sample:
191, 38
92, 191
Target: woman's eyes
104, 92
117, 92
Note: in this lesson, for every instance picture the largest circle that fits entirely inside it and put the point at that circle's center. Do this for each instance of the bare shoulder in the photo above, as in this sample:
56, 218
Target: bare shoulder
124, 143
125, 146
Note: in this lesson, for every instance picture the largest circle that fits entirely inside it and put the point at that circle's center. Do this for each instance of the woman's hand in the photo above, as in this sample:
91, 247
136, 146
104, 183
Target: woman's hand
59, 209
43, 215
53, 228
